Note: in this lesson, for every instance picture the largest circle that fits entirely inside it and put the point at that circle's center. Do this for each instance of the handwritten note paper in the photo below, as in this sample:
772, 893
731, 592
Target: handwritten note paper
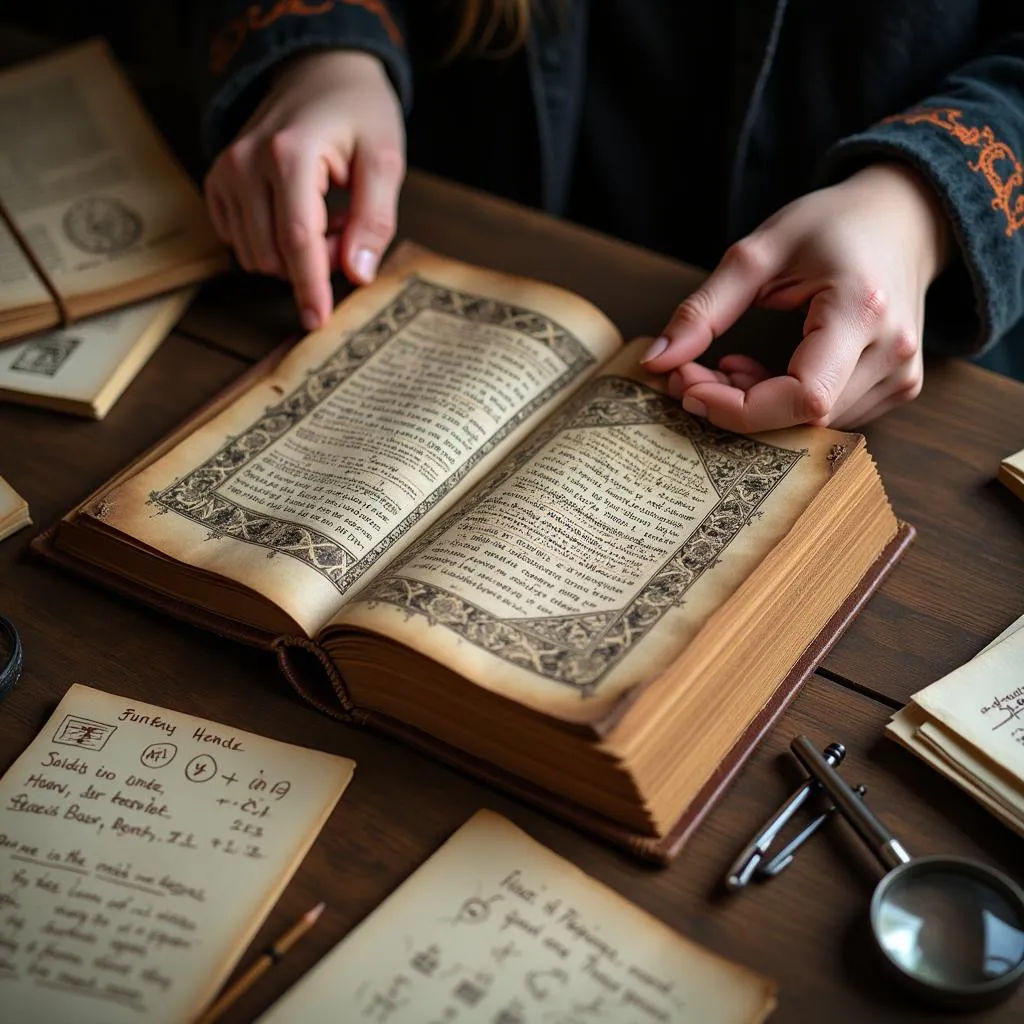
140, 849
969, 725
496, 929
983, 702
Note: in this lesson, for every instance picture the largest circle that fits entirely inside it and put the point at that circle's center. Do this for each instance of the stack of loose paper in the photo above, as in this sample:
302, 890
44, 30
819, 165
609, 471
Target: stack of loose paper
85, 368
970, 726
1011, 473
140, 849
13, 510
497, 929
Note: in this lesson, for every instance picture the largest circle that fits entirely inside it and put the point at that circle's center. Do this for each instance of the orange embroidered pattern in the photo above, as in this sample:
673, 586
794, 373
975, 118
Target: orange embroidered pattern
991, 154
229, 40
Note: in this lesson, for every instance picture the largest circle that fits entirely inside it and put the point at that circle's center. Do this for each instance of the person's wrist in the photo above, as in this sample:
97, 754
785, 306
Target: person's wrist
926, 224
332, 66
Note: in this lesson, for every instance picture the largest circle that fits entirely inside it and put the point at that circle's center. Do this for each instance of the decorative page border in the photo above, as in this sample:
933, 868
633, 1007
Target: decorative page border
580, 650
195, 496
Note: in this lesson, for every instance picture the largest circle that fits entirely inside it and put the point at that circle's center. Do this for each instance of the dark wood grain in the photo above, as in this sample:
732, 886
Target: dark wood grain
962, 582
246, 316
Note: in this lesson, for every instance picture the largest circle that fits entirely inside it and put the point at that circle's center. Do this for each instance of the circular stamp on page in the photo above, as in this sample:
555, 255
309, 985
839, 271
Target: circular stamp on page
101, 226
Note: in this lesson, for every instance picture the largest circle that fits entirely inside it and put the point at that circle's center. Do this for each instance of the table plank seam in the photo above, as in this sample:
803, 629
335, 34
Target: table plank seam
860, 688
213, 345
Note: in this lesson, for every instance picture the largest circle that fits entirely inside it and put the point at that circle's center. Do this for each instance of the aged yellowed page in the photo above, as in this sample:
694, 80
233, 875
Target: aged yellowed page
1011, 473
14, 512
140, 850
982, 703
959, 763
19, 284
496, 929
970, 705
89, 182
598, 549
963, 759
369, 429
84, 368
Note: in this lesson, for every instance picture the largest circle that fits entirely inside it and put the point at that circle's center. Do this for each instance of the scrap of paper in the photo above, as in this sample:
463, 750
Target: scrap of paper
140, 849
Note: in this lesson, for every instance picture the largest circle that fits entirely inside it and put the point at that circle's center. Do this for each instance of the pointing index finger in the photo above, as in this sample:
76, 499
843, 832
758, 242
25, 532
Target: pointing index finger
714, 307
300, 215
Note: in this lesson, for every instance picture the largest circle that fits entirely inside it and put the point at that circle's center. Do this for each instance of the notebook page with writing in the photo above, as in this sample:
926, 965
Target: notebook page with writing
140, 850
497, 929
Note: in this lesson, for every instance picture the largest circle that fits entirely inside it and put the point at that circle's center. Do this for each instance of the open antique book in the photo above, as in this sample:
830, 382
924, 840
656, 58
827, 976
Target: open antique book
505, 543
95, 211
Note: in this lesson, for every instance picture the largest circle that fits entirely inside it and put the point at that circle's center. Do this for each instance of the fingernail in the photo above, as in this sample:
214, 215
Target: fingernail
310, 320
657, 347
365, 263
675, 386
695, 407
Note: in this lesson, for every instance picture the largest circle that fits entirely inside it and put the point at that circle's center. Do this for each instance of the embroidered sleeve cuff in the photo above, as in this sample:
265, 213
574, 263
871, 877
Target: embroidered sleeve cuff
977, 177
245, 47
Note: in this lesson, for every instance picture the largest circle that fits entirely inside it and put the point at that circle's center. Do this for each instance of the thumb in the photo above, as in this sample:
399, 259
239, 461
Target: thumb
376, 177
715, 306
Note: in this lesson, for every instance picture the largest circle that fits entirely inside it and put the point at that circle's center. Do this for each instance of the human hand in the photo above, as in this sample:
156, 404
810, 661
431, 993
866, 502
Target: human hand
330, 117
860, 256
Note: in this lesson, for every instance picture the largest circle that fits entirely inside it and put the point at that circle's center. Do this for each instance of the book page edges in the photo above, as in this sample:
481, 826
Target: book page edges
325, 691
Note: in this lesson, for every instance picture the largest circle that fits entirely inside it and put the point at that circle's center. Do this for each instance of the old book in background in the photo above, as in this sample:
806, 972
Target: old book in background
97, 212
13, 510
1011, 473
85, 368
506, 544
494, 927
141, 850
969, 726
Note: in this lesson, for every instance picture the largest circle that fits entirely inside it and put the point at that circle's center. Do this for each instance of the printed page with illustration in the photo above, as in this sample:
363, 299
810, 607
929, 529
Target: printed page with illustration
93, 190
370, 428
83, 369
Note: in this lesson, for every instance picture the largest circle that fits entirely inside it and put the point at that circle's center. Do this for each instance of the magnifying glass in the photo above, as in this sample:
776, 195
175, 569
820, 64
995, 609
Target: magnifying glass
950, 928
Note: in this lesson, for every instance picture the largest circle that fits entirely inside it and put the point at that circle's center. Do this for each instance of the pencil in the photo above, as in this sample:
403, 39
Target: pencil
266, 960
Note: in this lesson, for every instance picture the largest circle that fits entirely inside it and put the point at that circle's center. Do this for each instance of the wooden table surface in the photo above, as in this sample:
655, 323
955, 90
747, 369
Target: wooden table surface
958, 586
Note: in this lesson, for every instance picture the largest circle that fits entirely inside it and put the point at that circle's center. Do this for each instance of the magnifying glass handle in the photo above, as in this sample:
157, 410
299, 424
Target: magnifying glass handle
879, 839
